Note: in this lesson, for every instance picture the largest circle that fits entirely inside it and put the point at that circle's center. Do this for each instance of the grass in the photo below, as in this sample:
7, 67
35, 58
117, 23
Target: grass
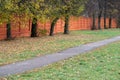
100, 64
25, 48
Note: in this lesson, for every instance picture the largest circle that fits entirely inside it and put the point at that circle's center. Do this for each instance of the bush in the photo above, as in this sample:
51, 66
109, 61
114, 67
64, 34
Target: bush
41, 32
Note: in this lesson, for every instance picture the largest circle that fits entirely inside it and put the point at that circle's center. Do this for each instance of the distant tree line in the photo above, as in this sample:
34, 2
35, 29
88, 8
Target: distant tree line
103, 8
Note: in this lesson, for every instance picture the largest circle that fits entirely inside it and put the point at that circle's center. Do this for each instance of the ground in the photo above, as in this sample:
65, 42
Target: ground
100, 64
25, 48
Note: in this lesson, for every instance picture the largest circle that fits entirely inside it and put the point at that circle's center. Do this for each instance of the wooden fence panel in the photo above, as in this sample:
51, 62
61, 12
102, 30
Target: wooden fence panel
2, 31
76, 23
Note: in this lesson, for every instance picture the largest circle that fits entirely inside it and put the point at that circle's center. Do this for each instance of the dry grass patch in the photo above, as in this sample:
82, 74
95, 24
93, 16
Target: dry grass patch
25, 48
100, 64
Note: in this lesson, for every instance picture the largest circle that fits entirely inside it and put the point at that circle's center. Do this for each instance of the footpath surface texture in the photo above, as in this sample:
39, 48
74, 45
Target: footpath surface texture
38, 62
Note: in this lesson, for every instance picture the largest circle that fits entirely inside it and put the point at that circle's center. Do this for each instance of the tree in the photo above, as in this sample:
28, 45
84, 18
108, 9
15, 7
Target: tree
117, 3
55, 12
103, 8
72, 8
110, 11
53, 25
91, 8
118, 21
100, 11
64, 9
12, 11
7, 10
37, 12
105, 13
96, 8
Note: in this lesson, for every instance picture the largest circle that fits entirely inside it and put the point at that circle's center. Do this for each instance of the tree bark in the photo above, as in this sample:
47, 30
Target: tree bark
53, 25
105, 8
110, 21
8, 30
34, 28
105, 27
93, 25
66, 26
99, 20
118, 22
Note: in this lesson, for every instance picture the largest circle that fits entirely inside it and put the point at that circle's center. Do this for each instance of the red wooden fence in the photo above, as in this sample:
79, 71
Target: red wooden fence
24, 30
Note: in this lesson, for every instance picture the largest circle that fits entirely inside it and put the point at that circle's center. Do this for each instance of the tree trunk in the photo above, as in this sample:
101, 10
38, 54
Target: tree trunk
118, 22
105, 27
66, 26
8, 30
93, 25
53, 25
110, 21
34, 28
99, 20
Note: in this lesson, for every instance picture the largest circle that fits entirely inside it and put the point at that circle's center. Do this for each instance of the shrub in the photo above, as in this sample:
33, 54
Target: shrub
41, 32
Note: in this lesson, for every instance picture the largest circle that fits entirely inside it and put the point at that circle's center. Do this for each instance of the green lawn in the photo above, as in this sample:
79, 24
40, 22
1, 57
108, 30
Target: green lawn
25, 48
100, 64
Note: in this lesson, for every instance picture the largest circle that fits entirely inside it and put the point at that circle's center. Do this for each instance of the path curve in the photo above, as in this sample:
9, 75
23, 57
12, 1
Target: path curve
38, 62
